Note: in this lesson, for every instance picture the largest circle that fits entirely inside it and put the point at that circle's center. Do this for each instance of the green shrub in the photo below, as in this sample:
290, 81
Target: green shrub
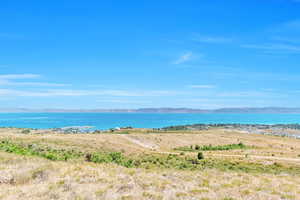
25, 131
200, 156
34, 150
214, 148
146, 160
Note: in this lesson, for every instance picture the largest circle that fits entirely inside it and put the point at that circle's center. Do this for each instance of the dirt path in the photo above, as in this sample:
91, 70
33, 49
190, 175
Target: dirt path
240, 156
258, 157
154, 149
140, 143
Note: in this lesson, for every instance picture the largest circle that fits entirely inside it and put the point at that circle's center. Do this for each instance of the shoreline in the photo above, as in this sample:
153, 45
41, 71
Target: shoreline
282, 130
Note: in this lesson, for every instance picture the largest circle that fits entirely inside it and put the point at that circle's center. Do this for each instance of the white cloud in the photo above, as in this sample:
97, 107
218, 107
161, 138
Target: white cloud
183, 58
288, 29
247, 94
122, 101
39, 84
6, 80
286, 39
62, 92
19, 76
202, 86
281, 38
13, 80
42, 84
294, 24
211, 39
274, 47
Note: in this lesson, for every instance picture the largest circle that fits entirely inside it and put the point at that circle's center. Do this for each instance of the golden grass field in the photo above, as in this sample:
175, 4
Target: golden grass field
33, 177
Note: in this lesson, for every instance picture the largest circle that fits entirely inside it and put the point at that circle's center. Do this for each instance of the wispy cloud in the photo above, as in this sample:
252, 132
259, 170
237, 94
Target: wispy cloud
288, 28
242, 94
273, 47
293, 24
19, 76
183, 58
286, 39
122, 101
39, 84
202, 86
281, 38
14, 80
63, 92
10, 80
211, 39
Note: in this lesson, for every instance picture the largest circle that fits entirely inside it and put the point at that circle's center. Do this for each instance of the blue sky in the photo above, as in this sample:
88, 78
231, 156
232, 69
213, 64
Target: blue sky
132, 54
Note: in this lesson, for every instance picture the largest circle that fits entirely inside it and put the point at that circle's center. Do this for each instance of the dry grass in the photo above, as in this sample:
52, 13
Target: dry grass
164, 142
37, 178
34, 178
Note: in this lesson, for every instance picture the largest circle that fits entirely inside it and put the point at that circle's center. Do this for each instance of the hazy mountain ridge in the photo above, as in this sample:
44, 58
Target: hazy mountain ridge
164, 110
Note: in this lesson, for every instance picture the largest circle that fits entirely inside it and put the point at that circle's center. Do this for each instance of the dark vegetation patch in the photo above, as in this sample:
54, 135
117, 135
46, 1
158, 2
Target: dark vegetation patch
231, 126
147, 161
190, 163
37, 150
26, 131
226, 147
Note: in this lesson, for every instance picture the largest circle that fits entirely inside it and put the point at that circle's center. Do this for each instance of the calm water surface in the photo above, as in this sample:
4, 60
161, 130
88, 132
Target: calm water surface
138, 120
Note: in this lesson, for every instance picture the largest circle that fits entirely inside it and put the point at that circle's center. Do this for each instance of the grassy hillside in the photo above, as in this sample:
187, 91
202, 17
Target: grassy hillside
143, 164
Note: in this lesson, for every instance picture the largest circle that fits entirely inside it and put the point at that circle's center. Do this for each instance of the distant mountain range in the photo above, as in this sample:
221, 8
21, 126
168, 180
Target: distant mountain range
162, 110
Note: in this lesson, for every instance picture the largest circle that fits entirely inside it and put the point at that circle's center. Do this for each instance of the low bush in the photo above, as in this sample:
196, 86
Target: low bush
35, 150
200, 156
25, 131
146, 160
213, 148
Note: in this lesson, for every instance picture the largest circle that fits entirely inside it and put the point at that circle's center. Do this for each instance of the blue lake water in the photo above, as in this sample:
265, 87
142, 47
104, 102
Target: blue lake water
138, 120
